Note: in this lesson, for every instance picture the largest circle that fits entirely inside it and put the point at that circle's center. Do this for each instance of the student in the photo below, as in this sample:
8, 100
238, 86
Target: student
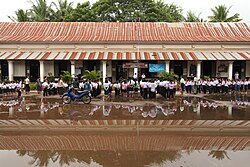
124, 88
117, 88
152, 89
45, 86
107, 90
27, 85
130, 88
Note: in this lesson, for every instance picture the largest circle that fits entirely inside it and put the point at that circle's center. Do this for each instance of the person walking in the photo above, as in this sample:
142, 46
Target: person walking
27, 85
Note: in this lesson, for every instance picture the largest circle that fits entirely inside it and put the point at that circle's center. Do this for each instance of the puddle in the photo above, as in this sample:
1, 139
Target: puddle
184, 108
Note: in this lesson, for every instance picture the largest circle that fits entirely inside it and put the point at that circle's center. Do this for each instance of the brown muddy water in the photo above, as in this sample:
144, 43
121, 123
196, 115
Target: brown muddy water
118, 148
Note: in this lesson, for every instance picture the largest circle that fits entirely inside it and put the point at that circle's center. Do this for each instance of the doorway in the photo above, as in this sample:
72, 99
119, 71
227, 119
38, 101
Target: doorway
237, 68
34, 70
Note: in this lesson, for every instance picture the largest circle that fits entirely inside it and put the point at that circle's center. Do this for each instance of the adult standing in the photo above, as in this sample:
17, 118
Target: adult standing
38, 85
236, 76
143, 76
27, 85
60, 87
182, 81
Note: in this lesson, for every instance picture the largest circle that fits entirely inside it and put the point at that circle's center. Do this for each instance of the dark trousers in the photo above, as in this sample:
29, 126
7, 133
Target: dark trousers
45, 92
204, 89
145, 93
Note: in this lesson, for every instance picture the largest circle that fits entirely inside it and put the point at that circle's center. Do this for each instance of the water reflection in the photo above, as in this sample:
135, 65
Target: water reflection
104, 158
134, 158
181, 108
220, 155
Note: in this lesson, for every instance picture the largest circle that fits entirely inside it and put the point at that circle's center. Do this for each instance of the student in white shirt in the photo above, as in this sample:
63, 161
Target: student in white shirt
117, 88
152, 89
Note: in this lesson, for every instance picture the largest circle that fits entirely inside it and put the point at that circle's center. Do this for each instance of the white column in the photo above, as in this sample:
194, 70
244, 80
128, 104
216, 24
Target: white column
104, 70
41, 71
42, 109
11, 112
198, 69
73, 69
230, 70
136, 71
198, 110
11, 70
167, 66
230, 111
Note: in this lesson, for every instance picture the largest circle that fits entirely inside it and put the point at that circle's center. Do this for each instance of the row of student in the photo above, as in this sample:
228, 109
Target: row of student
148, 88
10, 87
214, 85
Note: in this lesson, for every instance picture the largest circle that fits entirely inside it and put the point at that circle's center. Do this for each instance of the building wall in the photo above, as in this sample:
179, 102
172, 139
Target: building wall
247, 68
49, 68
221, 64
19, 68
109, 68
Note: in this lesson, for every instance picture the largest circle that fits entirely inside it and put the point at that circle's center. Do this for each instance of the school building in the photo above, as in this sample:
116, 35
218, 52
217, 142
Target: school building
120, 49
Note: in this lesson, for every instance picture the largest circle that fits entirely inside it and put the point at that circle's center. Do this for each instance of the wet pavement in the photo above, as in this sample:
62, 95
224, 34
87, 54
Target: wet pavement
25, 144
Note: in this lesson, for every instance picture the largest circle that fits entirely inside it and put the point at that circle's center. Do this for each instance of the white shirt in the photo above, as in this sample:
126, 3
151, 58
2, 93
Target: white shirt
152, 86
27, 81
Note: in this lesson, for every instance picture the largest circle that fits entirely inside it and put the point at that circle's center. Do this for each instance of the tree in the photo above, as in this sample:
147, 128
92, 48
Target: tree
92, 75
66, 77
41, 11
168, 76
220, 14
21, 16
168, 12
127, 10
191, 17
220, 155
82, 12
62, 9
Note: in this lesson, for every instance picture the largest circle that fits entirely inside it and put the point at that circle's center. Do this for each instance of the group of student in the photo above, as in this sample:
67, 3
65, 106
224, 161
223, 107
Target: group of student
147, 88
214, 85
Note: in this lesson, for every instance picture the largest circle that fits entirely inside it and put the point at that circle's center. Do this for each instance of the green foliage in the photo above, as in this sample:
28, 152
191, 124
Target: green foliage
51, 78
220, 14
82, 13
168, 76
100, 11
66, 77
92, 75
168, 12
32, 86
40, 11
126, 10
206, 77
21, 16
191, 17
63, 8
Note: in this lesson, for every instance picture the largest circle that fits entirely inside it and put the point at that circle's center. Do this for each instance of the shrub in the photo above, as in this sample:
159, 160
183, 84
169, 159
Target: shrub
32, 86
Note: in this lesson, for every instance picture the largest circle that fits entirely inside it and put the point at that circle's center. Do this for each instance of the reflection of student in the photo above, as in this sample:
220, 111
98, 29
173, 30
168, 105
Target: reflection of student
236, 76
152, 113
106, 110
94, 109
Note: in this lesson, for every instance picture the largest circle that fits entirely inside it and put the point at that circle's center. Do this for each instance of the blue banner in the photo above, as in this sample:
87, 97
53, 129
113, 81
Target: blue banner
156, 67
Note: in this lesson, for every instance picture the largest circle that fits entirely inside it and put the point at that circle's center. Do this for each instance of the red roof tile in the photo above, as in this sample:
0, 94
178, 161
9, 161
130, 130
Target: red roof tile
122, 31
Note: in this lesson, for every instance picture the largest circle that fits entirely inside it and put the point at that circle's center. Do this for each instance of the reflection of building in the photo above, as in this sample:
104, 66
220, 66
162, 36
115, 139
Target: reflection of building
188, 49
124, 142
125, 124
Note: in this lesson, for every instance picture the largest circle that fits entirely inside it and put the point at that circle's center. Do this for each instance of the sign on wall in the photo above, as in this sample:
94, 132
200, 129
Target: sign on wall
135, 65
156, 67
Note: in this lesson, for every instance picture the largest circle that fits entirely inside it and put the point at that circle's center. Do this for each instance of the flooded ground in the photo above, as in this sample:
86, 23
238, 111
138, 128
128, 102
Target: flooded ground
34, 147
184, 108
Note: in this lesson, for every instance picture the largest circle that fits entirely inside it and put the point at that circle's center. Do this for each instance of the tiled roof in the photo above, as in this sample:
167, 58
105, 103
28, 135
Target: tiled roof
123, 32
19, 55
